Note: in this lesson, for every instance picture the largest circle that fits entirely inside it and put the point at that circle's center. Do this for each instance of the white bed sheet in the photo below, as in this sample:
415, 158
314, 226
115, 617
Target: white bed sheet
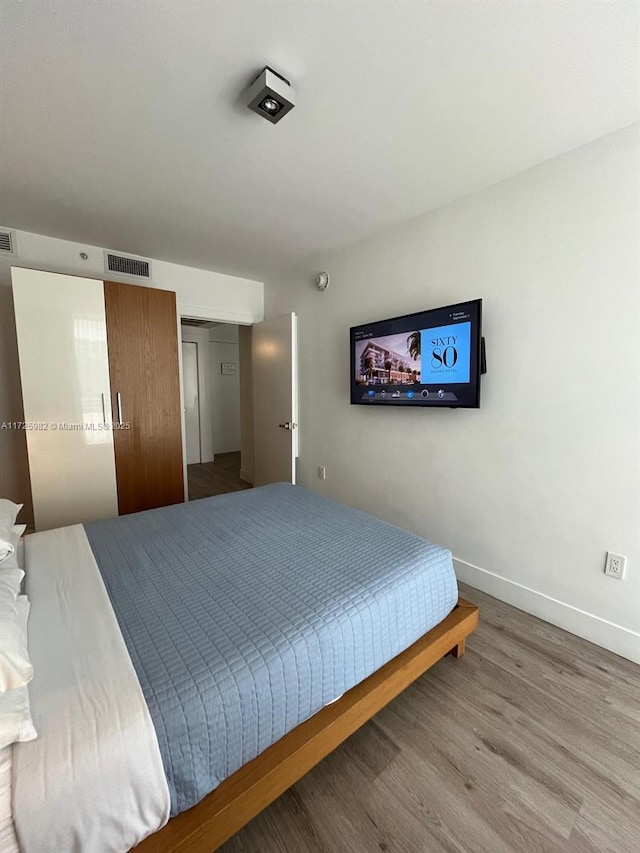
93, 781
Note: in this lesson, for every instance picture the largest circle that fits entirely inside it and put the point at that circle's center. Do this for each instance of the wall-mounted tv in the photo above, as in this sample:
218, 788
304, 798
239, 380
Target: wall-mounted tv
432, 358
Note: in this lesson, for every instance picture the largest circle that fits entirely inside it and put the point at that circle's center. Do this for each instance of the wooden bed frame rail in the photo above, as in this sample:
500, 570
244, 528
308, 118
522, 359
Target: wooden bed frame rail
206, 826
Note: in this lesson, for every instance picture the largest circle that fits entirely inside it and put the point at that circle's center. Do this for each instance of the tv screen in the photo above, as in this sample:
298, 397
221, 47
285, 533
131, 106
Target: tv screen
432, 358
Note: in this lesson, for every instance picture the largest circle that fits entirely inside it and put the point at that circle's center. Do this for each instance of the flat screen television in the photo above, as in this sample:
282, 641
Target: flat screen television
432, 358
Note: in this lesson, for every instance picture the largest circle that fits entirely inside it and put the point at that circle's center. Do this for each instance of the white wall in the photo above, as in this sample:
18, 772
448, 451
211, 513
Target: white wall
200, 293
225, 389
531, 490
200, 336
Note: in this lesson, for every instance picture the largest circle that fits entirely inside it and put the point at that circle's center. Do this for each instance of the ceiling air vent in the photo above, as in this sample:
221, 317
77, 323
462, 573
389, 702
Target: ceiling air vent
8, 243
189, 321
127, 265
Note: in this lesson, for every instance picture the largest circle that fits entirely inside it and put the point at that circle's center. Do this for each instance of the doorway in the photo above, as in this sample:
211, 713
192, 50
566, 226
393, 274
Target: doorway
219, 477
191, 401
216, 381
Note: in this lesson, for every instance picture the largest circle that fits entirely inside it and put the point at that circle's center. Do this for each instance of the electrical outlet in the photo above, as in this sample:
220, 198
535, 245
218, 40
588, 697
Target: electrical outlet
615, 565
322, 472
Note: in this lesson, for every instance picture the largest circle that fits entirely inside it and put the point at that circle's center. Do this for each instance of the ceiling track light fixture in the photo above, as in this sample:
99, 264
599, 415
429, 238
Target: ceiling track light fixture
271, 95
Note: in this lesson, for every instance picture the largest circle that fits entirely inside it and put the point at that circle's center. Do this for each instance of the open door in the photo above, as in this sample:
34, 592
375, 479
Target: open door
274, 354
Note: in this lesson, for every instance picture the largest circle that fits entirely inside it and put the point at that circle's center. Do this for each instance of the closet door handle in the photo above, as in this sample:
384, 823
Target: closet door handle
104, 410
119, 404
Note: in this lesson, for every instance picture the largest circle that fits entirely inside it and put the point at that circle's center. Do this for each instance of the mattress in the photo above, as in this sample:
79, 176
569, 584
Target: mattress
245, 614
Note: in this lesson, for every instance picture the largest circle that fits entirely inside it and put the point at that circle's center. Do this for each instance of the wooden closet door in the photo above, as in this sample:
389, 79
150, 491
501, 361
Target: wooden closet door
142, 339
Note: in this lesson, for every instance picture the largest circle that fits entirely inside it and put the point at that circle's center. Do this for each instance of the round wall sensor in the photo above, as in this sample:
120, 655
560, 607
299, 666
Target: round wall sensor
322, 281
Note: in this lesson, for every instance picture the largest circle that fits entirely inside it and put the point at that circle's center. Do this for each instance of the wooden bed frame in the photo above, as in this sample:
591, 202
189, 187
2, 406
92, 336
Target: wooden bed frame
206, 826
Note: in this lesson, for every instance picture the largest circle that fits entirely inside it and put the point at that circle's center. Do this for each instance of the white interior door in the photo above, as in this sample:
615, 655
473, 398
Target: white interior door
275, 399
191, 401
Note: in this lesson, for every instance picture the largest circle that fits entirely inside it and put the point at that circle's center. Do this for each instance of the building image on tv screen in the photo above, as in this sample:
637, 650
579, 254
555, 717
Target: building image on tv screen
388, 360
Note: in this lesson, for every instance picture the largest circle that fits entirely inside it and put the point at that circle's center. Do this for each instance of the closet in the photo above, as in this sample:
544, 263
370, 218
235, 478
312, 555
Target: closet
101, 395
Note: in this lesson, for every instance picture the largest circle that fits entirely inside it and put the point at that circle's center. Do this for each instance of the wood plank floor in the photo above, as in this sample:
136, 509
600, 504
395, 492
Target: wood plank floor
530, 743
216, 478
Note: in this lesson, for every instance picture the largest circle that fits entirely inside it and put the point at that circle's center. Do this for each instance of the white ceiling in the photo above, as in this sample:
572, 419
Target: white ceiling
122, 122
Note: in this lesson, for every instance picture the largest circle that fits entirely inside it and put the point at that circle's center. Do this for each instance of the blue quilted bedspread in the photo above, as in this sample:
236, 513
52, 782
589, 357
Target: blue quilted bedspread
245, 614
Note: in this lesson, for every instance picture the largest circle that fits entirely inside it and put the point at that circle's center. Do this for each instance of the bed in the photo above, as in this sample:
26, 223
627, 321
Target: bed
207, 655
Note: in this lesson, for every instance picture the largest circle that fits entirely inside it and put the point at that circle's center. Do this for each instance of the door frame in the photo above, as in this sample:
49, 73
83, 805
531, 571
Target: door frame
209, 317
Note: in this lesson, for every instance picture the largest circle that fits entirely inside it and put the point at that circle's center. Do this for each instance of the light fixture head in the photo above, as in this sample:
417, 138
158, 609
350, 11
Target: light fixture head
322, 281
271, 95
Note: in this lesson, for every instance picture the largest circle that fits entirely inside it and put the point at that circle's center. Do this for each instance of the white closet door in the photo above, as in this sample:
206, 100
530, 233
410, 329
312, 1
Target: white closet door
64, 368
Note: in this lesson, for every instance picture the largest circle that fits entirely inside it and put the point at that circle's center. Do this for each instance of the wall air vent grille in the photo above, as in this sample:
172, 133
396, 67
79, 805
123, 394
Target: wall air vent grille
188, 321
7, 242
124, 265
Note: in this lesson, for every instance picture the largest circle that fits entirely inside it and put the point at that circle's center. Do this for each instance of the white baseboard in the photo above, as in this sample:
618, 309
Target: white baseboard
247, 476
615, 638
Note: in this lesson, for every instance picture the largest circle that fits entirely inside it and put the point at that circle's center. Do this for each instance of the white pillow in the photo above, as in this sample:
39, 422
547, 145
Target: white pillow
15, 667
11, 579
11, 574
15, 717
8, 513
9, 510
13, 560
15, 714
8, 840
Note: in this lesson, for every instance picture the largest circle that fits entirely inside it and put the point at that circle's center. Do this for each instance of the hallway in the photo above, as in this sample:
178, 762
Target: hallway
216, 478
